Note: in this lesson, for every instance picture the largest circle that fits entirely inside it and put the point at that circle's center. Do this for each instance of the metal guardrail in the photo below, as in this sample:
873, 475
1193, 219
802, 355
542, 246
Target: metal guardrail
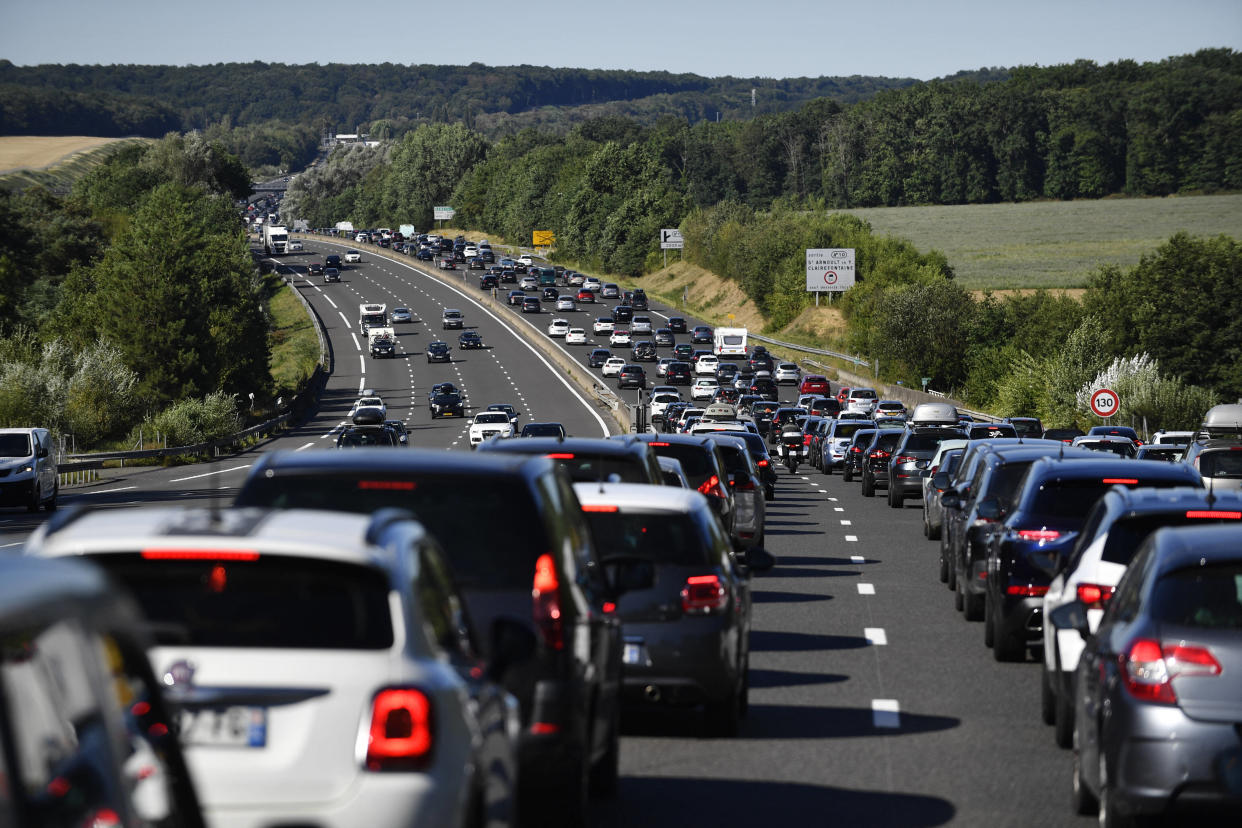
856, 360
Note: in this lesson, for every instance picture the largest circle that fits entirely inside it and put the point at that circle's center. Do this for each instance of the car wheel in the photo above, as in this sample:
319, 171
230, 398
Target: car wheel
721, 717
943, 572
989, 630
1047, 699
847, 474
868, 486
951, 582
1005, 646
33, 505
895, 500
972, 605
933, 532
1063, 718
959, 599
605, 772
51, 504
826, 469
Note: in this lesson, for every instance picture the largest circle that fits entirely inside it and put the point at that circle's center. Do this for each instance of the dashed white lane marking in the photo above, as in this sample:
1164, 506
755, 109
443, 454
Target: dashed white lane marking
347, 323
875, 635
362, 360
833, 499
362, 381
851, 538
7, 545
838, 508
110, 491
357, 345
885, 713
857, 559
209, 474
847, 523
866, 589
301, 448
330, 302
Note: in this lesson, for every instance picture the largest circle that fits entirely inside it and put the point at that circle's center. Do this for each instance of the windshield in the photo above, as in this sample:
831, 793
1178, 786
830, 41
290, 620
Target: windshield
663, 538
15, 445
1221, 464
492, 418
1209, 597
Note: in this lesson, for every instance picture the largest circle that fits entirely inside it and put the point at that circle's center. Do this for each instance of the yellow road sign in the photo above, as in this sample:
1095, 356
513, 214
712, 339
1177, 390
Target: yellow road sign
543, 238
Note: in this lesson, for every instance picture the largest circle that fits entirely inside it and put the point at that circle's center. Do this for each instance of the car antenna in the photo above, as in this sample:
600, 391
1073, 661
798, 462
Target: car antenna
1211, 495
1061, 451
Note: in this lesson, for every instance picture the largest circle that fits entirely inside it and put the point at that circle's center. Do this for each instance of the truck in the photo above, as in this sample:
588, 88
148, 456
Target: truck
275, 240
371, 315
382, 342
730, 342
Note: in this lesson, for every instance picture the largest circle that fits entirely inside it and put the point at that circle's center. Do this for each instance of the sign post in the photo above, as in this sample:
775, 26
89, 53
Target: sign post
1105, 403
670, 239
443, 213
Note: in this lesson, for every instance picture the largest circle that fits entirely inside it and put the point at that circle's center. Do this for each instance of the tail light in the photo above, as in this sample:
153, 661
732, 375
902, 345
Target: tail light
1208, 514
806, 440
712, 487
878, 455
1124, 481
546, 598
1148, 669
763, 464
401, 733
1026, 590
1095, 596
906, 458
1039, 535
703, 594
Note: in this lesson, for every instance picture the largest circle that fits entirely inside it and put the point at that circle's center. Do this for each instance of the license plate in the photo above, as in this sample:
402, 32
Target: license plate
922, 464
225, 727
634, 654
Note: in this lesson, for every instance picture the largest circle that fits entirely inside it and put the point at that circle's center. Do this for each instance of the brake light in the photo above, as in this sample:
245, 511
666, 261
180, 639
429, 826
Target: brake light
763, 464
388, 485
711, 486
806, 440
1213, 513
879, 455
1040, 535
546, 599
1125, 481
1095, 596
401, 733
1026, 590
200, 554
906, 458
703, 594
1148, 669
598, 507
560, 456
657, 443
102, 818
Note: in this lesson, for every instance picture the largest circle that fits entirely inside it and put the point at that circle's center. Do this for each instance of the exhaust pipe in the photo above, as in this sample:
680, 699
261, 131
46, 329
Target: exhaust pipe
651, 693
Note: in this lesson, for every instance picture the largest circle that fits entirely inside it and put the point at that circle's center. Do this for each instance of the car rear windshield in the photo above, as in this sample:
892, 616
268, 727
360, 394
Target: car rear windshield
662, 538
273, 601
695, 461
843, 430
1125, 536
15, 445
1060, 499
1221, 464
356, 438
888, 440
607, 468
1209, 597
927, 442
495, 554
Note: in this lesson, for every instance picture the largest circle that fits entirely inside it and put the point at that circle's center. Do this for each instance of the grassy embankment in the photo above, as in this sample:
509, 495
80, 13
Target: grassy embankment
53, 161
293, 342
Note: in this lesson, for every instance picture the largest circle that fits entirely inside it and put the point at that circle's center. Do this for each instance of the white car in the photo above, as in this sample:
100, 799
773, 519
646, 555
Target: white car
368, 401
787, 372
488, 424
704, 388
378, 727
470, 252
576, 336
706, 366
620, 336
862, 400
641, 325
612, 366
526, 259
352, 256
529, 283
295, 246
603, 325
362, 238
558, 327
593, 284
662, 365
660, 402
565, 303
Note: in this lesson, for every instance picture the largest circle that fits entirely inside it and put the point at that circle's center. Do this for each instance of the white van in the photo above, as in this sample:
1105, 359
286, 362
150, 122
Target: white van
28, 468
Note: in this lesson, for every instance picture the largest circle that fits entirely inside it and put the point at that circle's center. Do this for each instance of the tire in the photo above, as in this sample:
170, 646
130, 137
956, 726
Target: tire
973, 605
989, 630
951, 581
1047, 699
35, 497
847, 474
1063, 720
721, 718
1005, 648
868, 486
826, 469
943, 573
605, 772
51, 504
895, 500
933, 532
959, 599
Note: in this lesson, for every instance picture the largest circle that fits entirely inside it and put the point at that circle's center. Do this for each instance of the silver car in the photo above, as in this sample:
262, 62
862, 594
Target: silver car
948, 455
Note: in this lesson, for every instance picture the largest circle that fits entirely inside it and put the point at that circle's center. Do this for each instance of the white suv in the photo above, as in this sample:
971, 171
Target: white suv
322, 662
862, 400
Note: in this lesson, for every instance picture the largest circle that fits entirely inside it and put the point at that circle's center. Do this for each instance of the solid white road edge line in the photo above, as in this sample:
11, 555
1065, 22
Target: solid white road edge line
210, 473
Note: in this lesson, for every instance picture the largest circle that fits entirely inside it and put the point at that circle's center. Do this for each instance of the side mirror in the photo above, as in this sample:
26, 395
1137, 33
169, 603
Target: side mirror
512, 642
41, 452
1071, 616
940, 480
988, 509
758, 559
950, 499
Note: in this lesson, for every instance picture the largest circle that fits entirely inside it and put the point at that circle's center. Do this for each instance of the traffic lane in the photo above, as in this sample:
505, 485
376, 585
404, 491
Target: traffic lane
865, 684
542, 384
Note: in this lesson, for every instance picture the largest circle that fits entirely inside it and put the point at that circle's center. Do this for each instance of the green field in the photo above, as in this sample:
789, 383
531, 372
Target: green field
1052, 243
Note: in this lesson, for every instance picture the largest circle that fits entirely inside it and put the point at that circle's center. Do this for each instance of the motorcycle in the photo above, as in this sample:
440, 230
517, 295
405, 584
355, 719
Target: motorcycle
792, 448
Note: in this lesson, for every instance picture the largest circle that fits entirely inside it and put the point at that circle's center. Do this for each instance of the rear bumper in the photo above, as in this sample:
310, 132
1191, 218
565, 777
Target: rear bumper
685, 662
1022, 618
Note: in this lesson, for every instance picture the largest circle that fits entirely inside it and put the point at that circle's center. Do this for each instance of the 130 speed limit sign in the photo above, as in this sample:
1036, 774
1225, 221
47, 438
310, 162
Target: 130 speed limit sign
1104, 403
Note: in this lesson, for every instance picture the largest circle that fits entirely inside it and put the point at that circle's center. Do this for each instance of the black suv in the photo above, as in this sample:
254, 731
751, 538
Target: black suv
639, 300
856, 453
588, 459
910, 458
703, 463
541, 570
446, 405
623, 314
874, 466
1036, 537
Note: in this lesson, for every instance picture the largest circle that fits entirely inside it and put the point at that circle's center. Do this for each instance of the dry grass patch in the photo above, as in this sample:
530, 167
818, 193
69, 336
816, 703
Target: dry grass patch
25, 152
704, 293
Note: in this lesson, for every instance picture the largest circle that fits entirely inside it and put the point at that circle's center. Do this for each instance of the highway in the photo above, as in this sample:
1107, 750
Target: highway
872, 701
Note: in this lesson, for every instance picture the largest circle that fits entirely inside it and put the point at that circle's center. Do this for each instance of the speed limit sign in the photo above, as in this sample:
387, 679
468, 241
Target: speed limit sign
1104, 403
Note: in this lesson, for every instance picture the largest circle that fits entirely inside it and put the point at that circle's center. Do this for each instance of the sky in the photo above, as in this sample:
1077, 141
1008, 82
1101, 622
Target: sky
922, 39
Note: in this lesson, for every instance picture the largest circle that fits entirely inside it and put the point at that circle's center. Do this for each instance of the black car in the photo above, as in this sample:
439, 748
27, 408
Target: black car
623, 314
643, 351
1026, 426
516, 297
541, 571
765, 387
632, 376
677, 324
702, 335
598, 357
550, 293
468, 340
678, 373
856, 454
489, 281
447, 405
664, 338
438, 351
314, 269
590, 459
638, 300
425, 254
1035, 538
331, 274
874, 468
530, 305
475, 263
704, 465
508, 276
543, 430
914, 451
332, 260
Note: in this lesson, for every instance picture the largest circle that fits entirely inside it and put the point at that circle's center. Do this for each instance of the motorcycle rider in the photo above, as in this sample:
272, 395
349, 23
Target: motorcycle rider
791, 437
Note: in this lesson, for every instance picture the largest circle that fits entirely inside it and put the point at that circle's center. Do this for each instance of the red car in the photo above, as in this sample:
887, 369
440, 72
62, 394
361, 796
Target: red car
843, 395
814, 384
585, 295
